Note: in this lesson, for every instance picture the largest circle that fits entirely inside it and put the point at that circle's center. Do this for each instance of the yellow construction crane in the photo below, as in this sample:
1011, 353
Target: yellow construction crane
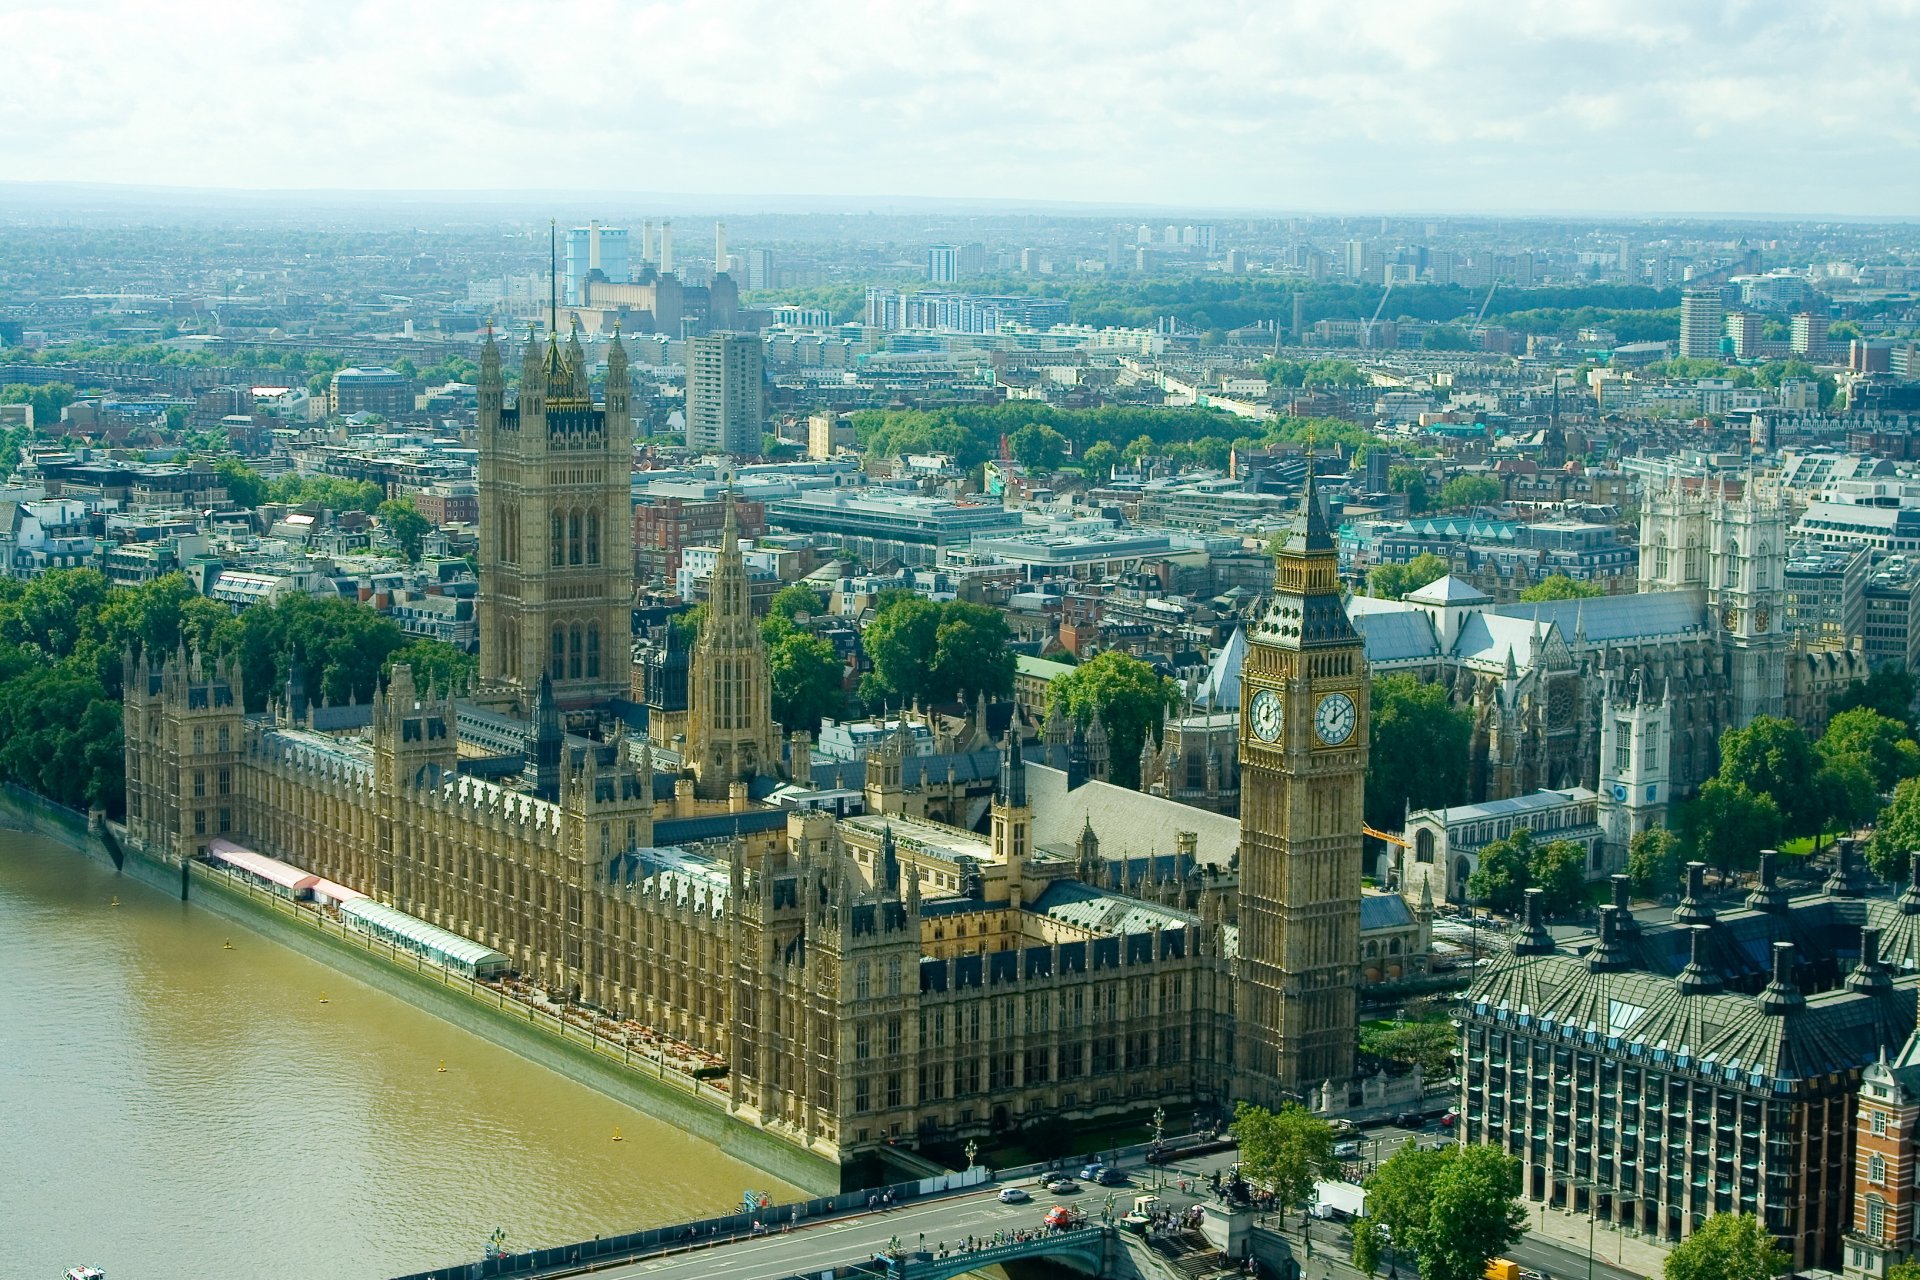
1381, 835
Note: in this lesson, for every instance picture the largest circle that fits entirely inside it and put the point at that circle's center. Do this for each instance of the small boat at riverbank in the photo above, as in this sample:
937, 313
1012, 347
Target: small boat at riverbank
85, 1273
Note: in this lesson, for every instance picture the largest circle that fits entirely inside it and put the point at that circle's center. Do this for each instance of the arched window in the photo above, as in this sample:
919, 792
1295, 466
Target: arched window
573, 654
593, 651
593, 536
893, 976
1693, 558
1393, 947
1423, 846
1373, 950
559, 556
557, 664
1876, 1168
1733, 562
1660, 557
862, 981
1876, 1218
573, 536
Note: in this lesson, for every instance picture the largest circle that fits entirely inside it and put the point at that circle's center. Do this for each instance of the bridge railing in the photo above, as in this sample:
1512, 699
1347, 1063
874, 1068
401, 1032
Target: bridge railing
707, 1233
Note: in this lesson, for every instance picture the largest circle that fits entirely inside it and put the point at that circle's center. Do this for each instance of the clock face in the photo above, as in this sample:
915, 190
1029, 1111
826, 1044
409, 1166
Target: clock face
1730, 618
1265, 715
1761, 617
1333, 719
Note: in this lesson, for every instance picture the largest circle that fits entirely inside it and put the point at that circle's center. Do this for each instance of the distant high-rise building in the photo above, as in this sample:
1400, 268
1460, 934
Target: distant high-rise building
1810, 333
760, 269
1236, 262
1745, 328
943, 263
595, 248
1701, 326
726, 393
973, 259
1030, 262
1143, 234
1356, 259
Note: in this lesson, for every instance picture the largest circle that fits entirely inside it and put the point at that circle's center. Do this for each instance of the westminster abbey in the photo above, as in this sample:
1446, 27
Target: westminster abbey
867, 975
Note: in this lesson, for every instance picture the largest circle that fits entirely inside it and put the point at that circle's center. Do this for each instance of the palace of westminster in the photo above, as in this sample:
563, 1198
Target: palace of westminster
867, 972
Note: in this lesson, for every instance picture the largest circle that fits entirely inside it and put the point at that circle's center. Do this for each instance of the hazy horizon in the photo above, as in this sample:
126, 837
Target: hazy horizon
1734, 111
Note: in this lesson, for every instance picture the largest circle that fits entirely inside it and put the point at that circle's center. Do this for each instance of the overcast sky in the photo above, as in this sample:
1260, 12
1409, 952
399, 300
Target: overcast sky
1357, 105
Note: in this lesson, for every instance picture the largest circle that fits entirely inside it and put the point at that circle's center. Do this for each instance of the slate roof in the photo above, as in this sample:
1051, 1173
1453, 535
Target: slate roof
1400, 636
1086, 907
1638, 616
1449, 591
1384, 911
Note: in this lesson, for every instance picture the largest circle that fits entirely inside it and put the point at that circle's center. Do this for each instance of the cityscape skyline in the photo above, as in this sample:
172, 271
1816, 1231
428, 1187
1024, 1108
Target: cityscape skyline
1751, 110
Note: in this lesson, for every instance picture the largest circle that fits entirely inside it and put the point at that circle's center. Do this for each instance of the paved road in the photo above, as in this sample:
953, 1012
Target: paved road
976, 1212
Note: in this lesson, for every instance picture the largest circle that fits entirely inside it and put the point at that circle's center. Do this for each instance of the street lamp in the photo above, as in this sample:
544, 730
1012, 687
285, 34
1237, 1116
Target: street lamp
1159, 1125
973, 1149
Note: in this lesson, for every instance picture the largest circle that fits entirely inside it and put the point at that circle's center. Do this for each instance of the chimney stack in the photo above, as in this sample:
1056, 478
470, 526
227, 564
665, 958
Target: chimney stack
1534, 939
1767, 894
1782, 995
719, 247
1692, 908
666, 247
1699, 978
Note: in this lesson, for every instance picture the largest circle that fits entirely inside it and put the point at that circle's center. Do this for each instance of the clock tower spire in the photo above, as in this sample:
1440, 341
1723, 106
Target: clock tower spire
1303, 769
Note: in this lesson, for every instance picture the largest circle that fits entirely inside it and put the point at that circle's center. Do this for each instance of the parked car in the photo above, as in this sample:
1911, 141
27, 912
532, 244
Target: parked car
1348, 1150
1013, 1195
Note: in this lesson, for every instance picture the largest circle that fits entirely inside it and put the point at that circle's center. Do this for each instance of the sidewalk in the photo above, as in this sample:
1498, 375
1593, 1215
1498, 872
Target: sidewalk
1620, 1248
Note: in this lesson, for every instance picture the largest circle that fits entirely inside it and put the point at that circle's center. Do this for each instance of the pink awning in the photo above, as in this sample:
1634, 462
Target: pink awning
270, 869
336, 892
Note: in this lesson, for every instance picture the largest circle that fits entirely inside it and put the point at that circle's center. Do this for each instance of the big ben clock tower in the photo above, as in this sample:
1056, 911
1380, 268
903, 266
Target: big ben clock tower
1303, 769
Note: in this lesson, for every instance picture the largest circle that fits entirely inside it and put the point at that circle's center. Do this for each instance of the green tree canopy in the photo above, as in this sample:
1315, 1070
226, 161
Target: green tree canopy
247, 487
970, 653
1038, 447
1392, 581
1727, 824
1772, 757
402, 518
806, 680
1285, 1151
1897, 832
1881, 743
901, 641
1428, 1045
1558, 586
1727, 1246
1559, 870
1133, 701
1419, 750
1504, 872
329, 492
1470, 491
1400, 1193
1475, 1214
47, 399
1099, 459
1888, 690
789, 604
1411, 481
1653, 861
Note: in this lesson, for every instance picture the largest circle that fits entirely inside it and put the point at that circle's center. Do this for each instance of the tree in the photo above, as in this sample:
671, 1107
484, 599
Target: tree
1419, 750
806, 680
1882, 744
1771, 757
1897, 832
1133, 701
1400, 1193
1470, 491
1842, 795
900, 642
1888, 690
1392, 581
1038, 447
1139, 450
687, 625
1099, 459
403, 520
1474, 1216
1727, 1246
1369, 1245
789, 604
47, 398
1909, 1270
1428, 1045
1504, 873
1727, 824
1285, 1151
971, 654
1558, 586
1411, 481
436, 664
1559, 870
247, 487
1653, 862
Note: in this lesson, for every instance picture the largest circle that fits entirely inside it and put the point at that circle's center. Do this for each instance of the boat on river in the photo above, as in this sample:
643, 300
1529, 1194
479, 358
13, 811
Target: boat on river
85, 1273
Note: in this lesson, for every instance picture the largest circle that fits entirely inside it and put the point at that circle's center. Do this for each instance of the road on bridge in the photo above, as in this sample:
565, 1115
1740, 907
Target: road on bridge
820, 1245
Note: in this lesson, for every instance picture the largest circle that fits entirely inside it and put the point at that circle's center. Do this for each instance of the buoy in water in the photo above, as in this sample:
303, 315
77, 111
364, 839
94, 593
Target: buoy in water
227, 945
323, 997
115, 902
443, 1064
616, 1134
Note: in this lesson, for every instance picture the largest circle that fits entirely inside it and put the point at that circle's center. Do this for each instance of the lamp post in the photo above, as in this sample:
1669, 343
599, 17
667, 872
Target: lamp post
973, 1149
1159, 1125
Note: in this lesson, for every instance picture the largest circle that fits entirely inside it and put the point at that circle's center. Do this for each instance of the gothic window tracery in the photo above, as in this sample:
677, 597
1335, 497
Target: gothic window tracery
559, 539
593, 536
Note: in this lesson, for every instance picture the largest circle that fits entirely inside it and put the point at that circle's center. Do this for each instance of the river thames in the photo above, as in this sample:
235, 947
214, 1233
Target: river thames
175, 1109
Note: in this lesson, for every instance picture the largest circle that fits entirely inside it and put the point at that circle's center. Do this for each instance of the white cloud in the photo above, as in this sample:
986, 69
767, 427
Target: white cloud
1638, 105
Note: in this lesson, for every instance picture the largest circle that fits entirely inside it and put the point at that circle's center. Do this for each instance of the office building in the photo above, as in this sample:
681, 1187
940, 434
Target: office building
760, 269
362, 389
943, 263
726, 393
